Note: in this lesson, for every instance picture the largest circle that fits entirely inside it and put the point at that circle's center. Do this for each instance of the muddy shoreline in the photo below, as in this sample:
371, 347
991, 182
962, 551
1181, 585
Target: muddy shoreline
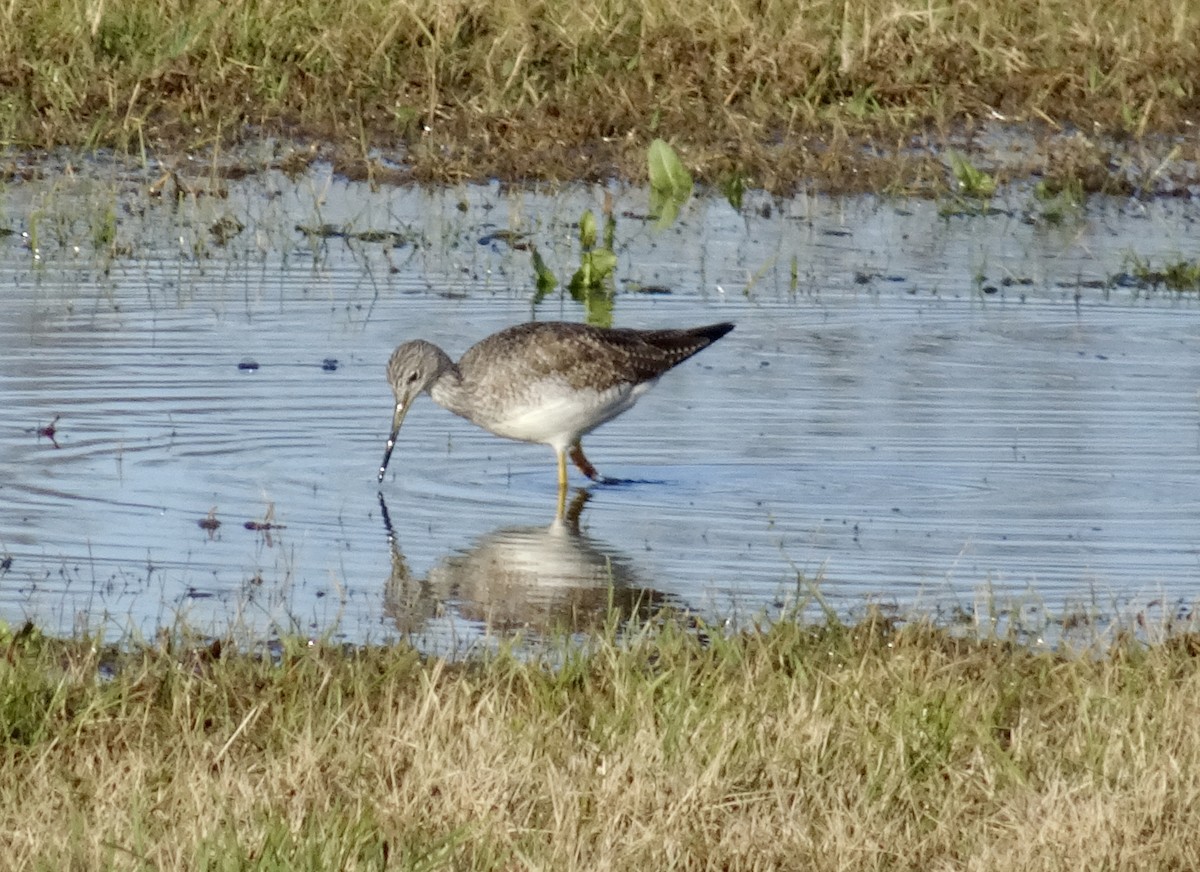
918, 164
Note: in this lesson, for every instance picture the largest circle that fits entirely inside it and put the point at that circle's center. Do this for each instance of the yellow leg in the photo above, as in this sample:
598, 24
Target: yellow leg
562, 471
562, 484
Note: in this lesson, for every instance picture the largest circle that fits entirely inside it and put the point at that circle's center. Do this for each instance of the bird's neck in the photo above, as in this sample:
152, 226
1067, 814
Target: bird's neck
447, 389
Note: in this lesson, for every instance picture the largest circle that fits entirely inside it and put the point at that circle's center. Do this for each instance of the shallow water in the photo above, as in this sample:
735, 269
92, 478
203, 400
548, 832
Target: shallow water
947, 415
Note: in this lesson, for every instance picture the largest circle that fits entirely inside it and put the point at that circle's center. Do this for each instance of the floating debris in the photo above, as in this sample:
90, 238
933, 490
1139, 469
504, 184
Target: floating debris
49, 431
513, 238
263, 526
394, 237
325, 231
638, 288
225, 228
332, 231
210, 523
266, 526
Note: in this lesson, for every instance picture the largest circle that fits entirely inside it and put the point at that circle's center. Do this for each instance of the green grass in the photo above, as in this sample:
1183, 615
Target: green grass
874, 746
970, 180
779, 92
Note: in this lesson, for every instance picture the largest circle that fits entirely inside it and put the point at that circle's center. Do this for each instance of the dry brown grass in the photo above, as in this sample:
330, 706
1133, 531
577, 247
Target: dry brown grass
780, 91
863, 748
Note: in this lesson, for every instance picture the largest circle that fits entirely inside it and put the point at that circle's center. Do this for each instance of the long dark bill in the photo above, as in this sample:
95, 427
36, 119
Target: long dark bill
387, 454
397, 419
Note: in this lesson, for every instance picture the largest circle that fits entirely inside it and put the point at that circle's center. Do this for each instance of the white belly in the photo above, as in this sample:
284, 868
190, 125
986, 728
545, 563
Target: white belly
558, 416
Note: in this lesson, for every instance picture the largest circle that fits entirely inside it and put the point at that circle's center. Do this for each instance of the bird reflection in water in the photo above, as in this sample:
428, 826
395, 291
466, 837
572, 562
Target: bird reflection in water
538, 580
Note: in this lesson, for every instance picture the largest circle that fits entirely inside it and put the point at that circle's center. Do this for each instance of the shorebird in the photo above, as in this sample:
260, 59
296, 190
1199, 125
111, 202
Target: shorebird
548, 382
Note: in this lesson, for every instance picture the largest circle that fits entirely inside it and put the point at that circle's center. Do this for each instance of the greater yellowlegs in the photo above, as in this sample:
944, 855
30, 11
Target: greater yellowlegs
548, 382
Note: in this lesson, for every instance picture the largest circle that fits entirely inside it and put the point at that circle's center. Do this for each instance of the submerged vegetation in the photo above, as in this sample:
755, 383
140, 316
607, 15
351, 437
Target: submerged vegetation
875, 746
1180, 275
771, 94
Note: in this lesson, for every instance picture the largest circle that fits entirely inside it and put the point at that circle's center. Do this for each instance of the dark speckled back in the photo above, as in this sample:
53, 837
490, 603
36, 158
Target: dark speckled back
585, 356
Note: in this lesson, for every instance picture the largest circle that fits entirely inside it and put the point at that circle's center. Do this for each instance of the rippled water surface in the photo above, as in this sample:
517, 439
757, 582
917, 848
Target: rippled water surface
942, 414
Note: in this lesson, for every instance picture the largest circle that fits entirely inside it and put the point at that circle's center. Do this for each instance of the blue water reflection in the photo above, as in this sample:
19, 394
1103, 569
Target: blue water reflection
941, 414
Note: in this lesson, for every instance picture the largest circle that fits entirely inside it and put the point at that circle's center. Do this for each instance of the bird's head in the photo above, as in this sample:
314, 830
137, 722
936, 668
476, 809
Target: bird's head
412, 369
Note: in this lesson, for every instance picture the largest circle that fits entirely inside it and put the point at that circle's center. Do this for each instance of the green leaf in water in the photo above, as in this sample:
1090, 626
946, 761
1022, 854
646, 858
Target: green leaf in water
670, 182
595, 267
587, 230
972, 181
734, 189
543, 278
598, 309
664, 208
667, 172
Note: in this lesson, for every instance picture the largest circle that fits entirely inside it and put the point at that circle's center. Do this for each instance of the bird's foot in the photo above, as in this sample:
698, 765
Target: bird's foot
584, 465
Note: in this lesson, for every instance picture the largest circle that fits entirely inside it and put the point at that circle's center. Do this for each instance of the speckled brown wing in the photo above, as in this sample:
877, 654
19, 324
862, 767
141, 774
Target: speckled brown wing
672, 347
582, 355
